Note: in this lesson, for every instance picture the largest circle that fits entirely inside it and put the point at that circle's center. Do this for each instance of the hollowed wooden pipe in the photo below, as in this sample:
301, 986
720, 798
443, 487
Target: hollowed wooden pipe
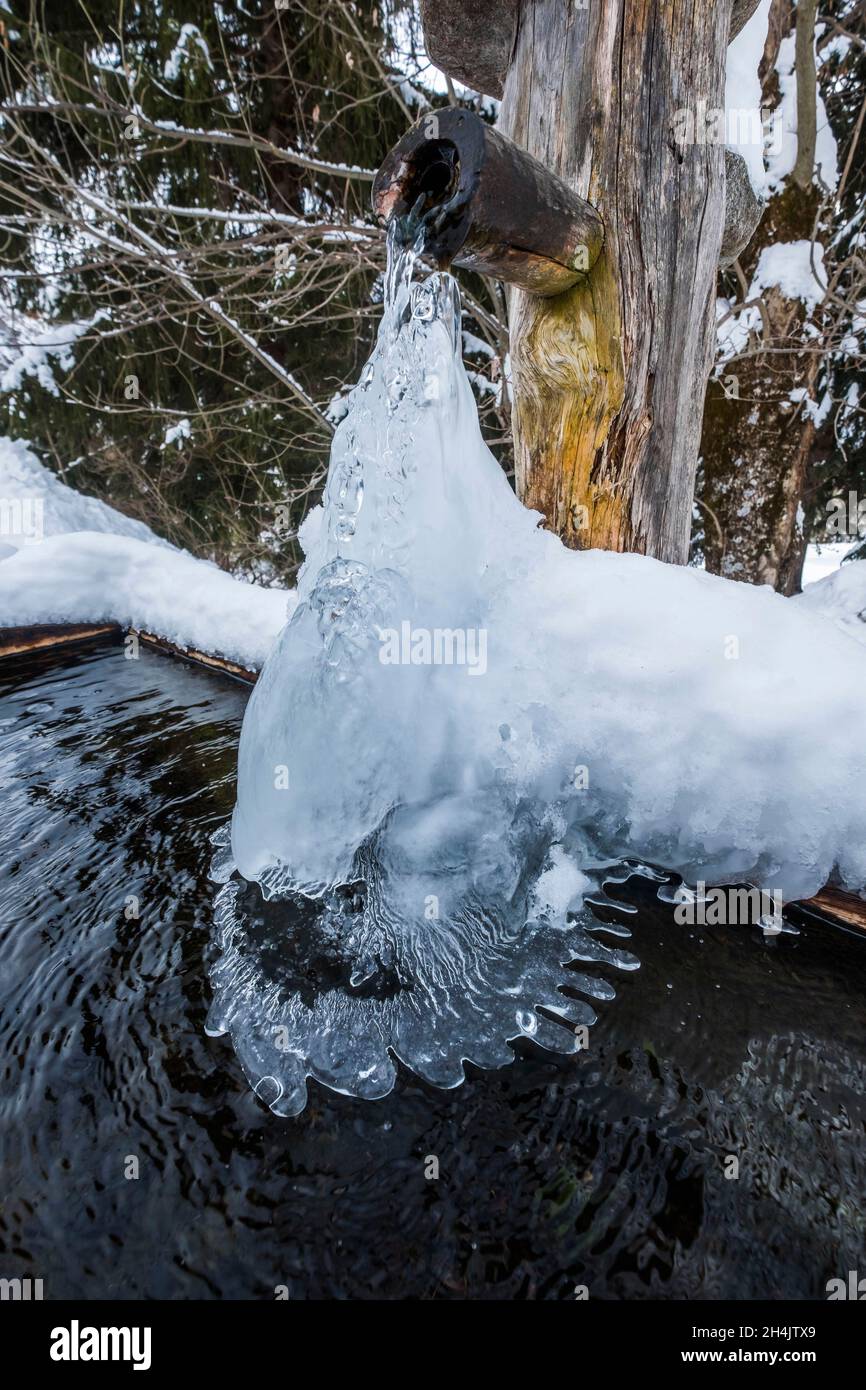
477, 200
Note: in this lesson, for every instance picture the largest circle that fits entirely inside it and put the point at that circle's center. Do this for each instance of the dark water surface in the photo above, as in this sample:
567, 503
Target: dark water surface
607, 1170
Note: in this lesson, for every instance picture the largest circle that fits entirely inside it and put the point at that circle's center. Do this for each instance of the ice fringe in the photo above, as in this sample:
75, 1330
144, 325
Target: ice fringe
414, 844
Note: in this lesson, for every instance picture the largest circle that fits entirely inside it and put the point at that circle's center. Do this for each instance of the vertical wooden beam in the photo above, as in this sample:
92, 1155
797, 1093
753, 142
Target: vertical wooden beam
609, 378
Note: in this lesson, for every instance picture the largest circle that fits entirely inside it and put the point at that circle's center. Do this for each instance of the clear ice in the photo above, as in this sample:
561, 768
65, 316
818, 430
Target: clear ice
463, 721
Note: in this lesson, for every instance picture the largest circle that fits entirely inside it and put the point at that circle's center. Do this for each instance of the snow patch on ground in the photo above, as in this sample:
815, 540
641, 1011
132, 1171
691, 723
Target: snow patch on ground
34, 503
67, 558
840, 597
823, 558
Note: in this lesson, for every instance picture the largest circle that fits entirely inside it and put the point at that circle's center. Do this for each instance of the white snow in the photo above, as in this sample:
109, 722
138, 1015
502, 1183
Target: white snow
837, 47
823, 558
472, 343
337, 407
816, 411
68, 558
560, 885
841, 597
797, 269
191, 46
789, 265
86, 577
30, 348
743, 115
177, 433
41, 495
733, 327
782, 150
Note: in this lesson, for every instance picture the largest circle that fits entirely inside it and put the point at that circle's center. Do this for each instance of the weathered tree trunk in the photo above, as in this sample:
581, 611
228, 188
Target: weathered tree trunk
757, 442
758, 439
609, 378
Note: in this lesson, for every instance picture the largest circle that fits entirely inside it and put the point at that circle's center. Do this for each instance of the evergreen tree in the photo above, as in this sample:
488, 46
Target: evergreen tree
188, 282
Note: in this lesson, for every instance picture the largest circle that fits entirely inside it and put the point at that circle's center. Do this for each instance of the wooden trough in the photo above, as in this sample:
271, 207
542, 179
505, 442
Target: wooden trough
15, 641
832, 905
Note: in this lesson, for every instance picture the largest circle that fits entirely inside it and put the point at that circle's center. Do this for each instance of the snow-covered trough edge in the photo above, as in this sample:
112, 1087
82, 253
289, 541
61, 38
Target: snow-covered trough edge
70, 562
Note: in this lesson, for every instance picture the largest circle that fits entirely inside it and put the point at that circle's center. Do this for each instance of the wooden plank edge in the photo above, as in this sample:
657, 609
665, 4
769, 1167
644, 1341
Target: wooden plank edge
18, 641
842, 908
198, 658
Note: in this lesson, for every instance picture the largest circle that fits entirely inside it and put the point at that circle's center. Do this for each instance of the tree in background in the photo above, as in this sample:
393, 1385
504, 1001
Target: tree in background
190, 258
784, 424
192, 275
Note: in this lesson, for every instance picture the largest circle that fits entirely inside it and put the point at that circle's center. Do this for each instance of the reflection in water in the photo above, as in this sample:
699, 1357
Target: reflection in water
345, 986
605, 1168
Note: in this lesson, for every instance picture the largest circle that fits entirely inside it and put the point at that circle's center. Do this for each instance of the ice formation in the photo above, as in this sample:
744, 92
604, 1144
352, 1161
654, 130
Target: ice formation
463, 720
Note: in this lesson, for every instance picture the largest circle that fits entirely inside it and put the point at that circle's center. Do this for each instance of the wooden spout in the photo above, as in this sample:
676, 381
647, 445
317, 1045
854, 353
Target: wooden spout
475, 199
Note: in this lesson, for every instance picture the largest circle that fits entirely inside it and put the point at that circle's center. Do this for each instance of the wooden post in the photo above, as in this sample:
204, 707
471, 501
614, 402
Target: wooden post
609, 377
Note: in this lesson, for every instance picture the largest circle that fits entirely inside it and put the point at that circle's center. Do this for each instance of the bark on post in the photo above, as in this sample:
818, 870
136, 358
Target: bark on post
610, 377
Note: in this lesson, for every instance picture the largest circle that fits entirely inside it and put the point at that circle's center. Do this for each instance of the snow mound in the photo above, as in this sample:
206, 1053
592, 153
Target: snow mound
841, 597
68, 558
823, 558
90, 578
796, 268
47, 507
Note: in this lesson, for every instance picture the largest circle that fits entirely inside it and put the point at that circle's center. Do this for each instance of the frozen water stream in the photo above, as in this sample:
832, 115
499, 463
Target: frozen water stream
463, 720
